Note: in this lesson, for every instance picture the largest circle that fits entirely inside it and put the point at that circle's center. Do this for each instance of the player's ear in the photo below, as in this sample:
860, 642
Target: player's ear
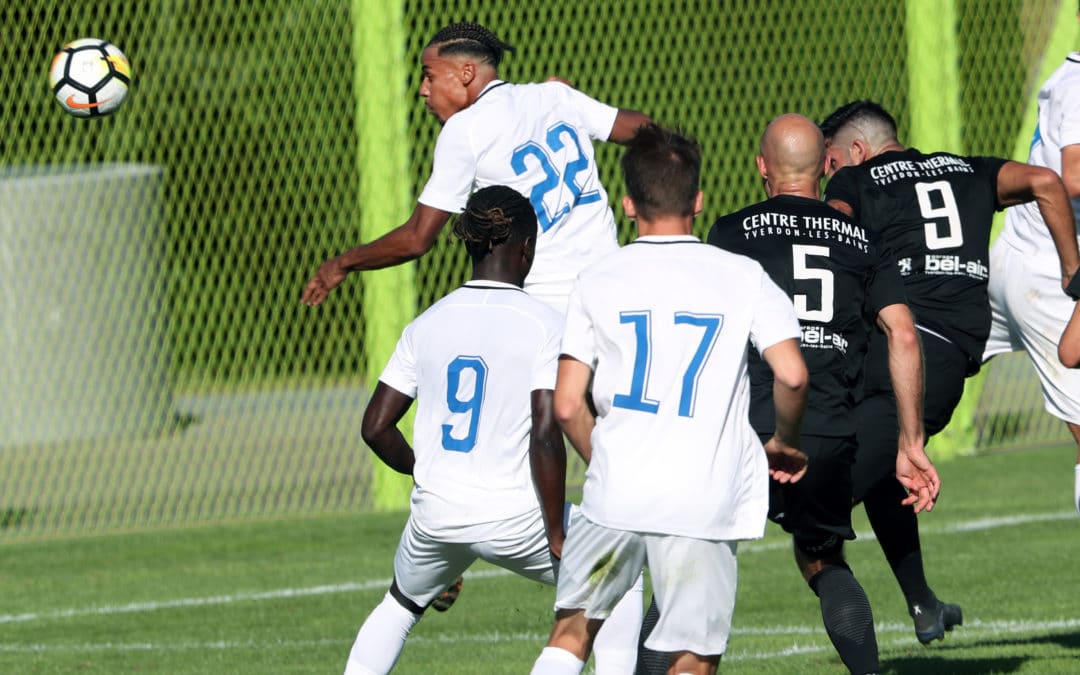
699, 201
467, 72
629, 208
859, 151
761, 167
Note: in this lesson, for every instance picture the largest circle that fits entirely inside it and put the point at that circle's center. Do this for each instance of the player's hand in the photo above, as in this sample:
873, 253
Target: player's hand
787, 464
556, 78
555, 543
917, 474
330, 274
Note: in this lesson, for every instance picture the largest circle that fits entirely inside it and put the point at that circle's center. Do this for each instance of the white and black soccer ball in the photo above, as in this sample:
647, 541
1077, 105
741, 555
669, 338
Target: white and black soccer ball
90, 77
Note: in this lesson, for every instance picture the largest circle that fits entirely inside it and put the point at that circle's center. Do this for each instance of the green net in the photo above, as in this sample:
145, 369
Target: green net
158, 367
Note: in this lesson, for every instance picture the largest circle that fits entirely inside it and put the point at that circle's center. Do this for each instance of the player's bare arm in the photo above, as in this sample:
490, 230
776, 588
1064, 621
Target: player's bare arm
791, 380
547, 457
626, 126
842, 206
1069, 344
571, 409
1019, 183
408, 241
914, 469
379, 428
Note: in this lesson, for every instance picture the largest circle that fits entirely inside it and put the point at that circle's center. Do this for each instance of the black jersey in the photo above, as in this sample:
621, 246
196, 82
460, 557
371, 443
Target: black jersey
933, 215
829, 267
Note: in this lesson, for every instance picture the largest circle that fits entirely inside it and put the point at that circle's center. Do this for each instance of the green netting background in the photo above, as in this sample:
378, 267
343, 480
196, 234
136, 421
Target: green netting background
156, 365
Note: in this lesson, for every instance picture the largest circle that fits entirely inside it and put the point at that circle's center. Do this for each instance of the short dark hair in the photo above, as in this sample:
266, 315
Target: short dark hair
471, 39
853, 112
494, 215
662, 170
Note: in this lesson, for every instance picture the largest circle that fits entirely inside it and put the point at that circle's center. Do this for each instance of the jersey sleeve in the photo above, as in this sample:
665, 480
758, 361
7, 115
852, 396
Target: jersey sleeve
453, 170
597, 118
579, 336
885, 286
844, 186
547, 360
1069, 105
774, 317
400, 371
989, 167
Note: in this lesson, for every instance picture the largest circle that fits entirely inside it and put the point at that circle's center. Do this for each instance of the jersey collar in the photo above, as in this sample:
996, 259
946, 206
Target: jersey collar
667, 239
488, 284
487, 88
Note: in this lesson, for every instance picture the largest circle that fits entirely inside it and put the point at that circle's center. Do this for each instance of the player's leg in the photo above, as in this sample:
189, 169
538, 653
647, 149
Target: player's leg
895, 525
615, 646
1019, 323
1075, 429
817, 513
422, 569
599, 566
695, 582
845, 609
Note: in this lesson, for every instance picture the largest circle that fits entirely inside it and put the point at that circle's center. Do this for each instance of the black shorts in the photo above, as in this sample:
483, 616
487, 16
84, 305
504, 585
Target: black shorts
816, 511
945, 366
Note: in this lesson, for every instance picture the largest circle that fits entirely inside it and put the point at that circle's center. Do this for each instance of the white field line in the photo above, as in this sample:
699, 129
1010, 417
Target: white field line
376, 584
976, 627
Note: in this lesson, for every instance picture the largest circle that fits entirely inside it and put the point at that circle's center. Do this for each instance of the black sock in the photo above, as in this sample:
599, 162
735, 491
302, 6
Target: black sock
897, 530
648, 661
847, 617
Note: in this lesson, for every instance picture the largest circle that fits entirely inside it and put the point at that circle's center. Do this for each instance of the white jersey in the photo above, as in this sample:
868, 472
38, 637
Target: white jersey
1059, 126
665, 323
537, 139
471, 362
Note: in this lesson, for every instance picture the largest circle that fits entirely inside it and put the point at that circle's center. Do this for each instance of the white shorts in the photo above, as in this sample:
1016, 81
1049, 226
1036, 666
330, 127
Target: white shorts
1029, 312
426, 563
694, 582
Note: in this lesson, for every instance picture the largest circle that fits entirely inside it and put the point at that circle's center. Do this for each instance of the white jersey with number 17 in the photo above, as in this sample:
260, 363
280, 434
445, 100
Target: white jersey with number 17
471, 362
665, 323
537, 139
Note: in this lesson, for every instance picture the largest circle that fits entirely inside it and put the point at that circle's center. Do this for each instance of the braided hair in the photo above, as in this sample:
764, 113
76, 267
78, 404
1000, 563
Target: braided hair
471, 39
494, 215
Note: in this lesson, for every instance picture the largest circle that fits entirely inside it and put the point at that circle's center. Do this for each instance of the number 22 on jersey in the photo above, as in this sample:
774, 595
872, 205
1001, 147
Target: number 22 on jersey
641, 321
559, 137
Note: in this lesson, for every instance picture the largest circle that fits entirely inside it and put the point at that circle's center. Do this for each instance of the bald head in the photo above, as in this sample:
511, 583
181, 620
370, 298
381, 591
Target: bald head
792, 156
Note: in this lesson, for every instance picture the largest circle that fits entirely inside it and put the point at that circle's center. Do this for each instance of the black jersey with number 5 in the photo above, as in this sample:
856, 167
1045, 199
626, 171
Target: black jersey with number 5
829, 267
933, 215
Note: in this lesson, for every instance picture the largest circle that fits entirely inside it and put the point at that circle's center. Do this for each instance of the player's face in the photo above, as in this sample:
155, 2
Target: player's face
441, 85
837, 156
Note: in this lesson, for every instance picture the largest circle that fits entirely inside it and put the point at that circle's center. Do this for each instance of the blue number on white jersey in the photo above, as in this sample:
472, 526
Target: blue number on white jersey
470, 404
712, 324
552, 176
639, 379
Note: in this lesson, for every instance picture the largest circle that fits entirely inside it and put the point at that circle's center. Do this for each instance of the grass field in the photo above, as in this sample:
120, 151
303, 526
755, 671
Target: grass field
287, 596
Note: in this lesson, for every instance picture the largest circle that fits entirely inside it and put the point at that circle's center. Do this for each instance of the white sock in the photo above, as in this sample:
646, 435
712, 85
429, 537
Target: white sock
616, 644
556, 661
1076, 490
381, 639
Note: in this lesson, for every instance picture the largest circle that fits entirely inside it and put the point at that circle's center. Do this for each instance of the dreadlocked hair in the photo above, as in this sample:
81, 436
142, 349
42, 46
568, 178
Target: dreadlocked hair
472, 39
492, 216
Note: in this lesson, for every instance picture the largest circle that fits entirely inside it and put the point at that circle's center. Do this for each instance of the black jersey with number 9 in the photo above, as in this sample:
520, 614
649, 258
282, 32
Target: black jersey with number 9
933, 215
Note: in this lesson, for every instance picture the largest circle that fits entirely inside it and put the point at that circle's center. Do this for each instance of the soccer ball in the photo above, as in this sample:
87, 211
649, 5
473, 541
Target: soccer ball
90, 77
